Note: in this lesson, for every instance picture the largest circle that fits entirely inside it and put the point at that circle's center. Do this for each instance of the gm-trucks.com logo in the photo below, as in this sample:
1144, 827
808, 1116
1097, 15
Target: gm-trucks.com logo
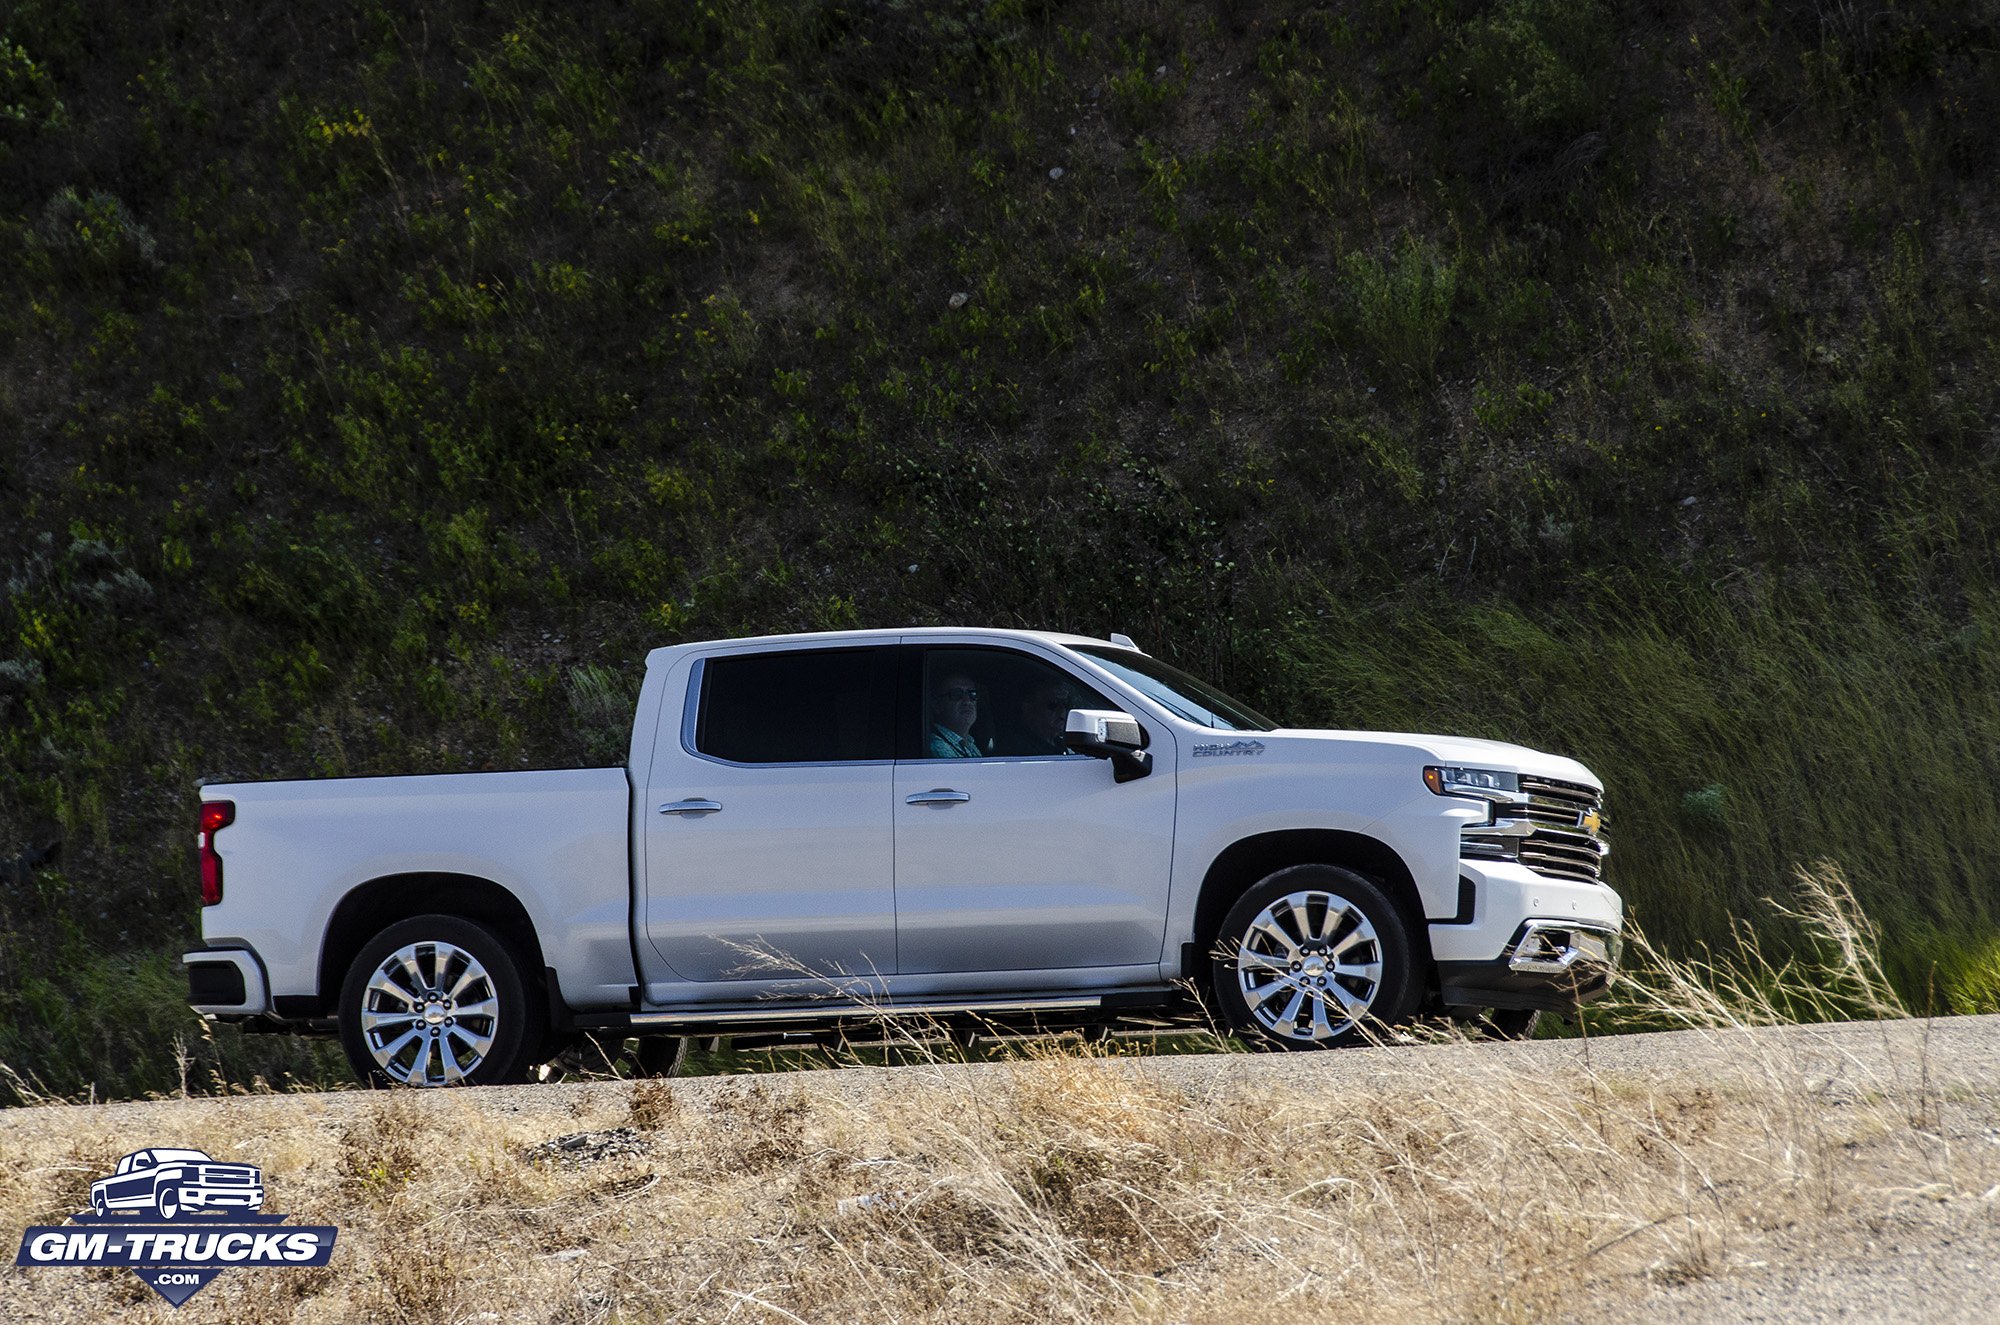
178, 1218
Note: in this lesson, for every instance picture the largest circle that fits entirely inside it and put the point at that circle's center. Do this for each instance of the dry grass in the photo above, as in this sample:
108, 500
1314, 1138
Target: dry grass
1446, 1182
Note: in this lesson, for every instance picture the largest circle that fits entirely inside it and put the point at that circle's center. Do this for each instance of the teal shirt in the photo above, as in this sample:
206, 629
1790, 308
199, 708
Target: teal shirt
948, 744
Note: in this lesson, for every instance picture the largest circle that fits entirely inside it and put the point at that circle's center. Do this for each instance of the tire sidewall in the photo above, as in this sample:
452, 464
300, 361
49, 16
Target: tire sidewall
1400, 986
521, 1015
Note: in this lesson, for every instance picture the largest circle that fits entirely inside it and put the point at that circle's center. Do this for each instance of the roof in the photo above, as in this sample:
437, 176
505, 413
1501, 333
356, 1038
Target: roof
911, 633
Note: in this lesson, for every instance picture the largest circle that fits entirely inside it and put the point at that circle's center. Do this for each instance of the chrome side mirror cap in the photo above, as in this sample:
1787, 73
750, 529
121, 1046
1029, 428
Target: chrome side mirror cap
1109, 734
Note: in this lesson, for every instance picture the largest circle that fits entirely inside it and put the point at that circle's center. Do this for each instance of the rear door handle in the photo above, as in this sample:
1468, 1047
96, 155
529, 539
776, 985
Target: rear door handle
938, 796
691, 807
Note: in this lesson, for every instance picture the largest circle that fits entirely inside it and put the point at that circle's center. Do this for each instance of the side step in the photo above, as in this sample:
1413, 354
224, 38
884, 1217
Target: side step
1070, 1008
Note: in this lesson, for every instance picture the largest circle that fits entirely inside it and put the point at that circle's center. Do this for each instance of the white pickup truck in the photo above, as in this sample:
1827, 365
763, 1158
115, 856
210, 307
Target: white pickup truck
813, 834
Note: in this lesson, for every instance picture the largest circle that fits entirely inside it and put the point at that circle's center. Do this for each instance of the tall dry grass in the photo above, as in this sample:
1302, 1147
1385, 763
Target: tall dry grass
1453, 1181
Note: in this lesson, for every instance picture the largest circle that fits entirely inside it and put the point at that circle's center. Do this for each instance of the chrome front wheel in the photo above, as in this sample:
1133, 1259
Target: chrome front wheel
1312, 955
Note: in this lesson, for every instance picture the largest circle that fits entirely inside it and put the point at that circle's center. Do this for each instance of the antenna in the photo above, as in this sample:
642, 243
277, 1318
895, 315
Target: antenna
1125, 642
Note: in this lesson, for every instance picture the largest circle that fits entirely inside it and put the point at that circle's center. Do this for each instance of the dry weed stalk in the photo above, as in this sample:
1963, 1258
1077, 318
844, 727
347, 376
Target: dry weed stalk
1452, 1182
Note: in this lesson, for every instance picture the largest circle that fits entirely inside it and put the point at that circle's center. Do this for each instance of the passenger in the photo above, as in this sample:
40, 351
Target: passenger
954, 708
1040, 717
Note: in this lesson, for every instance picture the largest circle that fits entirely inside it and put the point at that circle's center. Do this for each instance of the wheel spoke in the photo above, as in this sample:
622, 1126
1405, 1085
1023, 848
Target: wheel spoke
1266, 927
1294, 907
452, 1071
470, 976
397, 1045
383, 985
1369, 971
1322, 1029
1246, 960
1262, 994
1331, 915
477, 1045
1355, 1007
1291, 1013
485, 1007
1360, 935
373, 1021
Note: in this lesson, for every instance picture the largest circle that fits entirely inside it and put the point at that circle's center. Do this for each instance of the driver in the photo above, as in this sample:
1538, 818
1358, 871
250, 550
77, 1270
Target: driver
954, 708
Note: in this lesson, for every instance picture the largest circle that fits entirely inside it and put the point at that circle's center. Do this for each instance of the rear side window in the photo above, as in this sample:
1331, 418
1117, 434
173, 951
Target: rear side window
807, 707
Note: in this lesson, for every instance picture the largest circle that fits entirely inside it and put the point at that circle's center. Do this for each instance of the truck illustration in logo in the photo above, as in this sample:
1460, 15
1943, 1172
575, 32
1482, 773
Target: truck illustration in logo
168, 1182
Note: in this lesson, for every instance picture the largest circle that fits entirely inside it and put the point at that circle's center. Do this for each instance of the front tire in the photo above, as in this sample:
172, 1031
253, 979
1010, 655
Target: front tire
1313, 957
439, 1001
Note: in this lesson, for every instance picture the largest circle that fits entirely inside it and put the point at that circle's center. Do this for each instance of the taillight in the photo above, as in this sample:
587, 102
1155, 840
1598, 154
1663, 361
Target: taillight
215, 816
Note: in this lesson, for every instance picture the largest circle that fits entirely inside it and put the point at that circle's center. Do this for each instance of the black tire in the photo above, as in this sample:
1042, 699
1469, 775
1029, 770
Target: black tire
1320, 911
661, 1055
1495, 1023
1512, 1023
452, 955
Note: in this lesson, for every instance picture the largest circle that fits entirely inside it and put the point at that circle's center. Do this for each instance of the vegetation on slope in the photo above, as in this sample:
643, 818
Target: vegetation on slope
376, 386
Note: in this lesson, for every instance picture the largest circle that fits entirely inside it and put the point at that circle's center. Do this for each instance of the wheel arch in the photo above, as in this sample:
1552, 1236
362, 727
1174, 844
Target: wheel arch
1244, 862
372, 907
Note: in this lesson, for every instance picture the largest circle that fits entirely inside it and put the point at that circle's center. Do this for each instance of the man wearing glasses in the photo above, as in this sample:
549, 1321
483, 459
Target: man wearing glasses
1039, 719
954, 708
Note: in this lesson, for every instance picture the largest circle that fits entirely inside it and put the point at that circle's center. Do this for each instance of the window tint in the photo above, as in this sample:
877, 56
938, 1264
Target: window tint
995, 703
814, 707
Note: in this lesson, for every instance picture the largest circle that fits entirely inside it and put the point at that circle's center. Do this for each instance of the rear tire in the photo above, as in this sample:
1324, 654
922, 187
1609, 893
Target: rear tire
1314, 957
439, 1001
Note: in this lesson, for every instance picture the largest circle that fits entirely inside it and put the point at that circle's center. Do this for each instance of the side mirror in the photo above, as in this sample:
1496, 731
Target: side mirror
1109, 734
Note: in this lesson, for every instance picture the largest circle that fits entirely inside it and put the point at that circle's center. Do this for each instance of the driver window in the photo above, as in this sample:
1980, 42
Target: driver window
994, 703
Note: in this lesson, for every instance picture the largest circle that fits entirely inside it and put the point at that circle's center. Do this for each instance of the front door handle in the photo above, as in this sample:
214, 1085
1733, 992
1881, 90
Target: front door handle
938, 796
691, 807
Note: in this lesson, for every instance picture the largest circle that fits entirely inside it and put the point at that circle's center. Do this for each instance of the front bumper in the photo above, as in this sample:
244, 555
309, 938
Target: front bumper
1550, 965
1503, 894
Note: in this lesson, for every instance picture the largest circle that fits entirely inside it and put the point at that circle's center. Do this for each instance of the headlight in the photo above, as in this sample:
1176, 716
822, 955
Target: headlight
1484, 783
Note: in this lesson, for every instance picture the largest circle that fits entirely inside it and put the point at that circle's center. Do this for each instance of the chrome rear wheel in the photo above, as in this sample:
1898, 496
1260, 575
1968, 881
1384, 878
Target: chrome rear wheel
439, 1001
429, 1015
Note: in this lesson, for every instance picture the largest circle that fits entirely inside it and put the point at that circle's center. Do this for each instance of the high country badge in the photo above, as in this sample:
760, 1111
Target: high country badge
178, 1219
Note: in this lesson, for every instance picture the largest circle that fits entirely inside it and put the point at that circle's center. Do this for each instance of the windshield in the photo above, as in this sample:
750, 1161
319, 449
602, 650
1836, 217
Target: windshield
1176, 691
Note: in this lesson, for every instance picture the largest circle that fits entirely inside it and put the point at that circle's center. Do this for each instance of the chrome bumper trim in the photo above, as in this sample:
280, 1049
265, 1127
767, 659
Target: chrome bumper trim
1553, 947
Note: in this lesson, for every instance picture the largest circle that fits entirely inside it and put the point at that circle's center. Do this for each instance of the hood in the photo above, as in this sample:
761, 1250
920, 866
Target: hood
1458, 751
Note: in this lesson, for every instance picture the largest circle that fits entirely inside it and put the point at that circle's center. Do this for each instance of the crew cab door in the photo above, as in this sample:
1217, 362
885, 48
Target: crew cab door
768, 838
1011, 856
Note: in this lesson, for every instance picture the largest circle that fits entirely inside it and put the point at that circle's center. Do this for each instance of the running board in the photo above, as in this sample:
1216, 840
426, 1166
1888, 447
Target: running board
1111, 1002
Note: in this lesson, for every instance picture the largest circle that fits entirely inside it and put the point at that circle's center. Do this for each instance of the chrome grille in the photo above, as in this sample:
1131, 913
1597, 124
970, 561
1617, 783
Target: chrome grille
1564, 855
1547, 829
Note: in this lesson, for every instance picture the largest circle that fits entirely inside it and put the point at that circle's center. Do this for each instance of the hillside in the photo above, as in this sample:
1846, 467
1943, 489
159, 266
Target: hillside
377, 386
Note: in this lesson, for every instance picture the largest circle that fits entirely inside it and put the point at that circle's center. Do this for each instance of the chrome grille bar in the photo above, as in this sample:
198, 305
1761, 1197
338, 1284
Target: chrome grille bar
1552, 827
